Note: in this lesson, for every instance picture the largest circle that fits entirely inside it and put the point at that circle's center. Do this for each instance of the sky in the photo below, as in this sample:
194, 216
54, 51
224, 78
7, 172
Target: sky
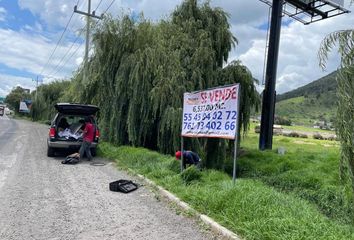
33, 42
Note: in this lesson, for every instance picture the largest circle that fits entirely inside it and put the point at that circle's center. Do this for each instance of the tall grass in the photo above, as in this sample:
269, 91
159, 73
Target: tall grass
251, 208
309, 169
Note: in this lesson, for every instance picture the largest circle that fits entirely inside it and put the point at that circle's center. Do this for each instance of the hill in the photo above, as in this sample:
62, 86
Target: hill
311, 103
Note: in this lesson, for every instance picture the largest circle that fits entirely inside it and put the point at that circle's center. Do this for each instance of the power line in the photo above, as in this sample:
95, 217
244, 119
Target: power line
67, 60
66, 53
56, 46
60, 65
71, 56
98, 5
51, 55
109, 6
77, 4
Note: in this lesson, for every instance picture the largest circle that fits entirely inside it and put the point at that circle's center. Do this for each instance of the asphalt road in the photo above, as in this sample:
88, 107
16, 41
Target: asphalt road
40, 198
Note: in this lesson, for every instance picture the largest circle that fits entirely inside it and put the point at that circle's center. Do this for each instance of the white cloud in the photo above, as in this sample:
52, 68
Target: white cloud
57, 13
251, 13
156, 9
2, 14
27, 50
299, 45
37, 28
53, 13
8, 82
79, 60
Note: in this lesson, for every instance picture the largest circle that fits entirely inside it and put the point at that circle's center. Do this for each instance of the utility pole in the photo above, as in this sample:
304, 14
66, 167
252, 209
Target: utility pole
88, 14
269, 94
36, 80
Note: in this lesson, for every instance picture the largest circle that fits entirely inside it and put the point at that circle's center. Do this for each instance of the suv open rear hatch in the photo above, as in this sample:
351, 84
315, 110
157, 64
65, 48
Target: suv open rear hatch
76, 109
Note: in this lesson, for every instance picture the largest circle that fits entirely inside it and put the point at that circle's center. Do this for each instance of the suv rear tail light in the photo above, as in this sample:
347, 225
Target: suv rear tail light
52, 132
97, 134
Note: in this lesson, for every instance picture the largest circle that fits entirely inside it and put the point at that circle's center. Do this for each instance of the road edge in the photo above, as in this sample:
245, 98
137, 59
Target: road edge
214, 226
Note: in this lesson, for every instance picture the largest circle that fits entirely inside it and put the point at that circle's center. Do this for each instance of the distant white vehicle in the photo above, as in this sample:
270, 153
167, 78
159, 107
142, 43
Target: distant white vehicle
8, 111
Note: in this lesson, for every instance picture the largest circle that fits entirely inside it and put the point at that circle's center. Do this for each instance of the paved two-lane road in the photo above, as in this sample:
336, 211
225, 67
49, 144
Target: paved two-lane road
40, 198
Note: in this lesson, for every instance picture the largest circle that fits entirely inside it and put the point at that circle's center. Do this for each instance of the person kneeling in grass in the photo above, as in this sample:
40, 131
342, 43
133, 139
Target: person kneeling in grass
190, 158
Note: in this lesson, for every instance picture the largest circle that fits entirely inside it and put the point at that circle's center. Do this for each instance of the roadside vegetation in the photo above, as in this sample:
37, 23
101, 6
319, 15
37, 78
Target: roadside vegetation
14, 97
344, 39
138, 72
46, 96
293, 196
306, 111
314, 102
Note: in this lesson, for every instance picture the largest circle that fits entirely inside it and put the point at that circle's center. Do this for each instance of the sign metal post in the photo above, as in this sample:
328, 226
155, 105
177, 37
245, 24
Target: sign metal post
182, 154
236, 139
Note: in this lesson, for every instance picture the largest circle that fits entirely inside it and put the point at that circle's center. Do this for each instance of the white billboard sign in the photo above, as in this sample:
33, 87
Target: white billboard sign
211, 113
25, 106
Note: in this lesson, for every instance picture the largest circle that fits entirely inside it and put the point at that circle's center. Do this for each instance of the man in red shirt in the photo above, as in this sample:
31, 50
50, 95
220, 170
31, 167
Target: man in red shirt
88, 137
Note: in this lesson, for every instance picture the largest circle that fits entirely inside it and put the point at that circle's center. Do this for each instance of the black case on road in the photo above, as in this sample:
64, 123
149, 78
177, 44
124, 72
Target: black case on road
122, 185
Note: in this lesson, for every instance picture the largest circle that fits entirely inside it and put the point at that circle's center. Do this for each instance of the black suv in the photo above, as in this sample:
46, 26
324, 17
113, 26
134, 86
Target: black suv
66, 128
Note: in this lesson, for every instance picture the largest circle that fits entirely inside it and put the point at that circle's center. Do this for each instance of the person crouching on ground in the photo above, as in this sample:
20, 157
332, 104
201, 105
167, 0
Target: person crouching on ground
189, 157
88, 136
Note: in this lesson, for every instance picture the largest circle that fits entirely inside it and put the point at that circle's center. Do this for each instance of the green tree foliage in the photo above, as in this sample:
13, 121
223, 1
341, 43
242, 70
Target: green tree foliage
46, 97
282, 120
15, 96
140, 70
345, 95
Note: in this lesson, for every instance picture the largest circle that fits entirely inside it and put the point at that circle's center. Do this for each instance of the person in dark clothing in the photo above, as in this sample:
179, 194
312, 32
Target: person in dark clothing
189, 157
88, 136
63, 124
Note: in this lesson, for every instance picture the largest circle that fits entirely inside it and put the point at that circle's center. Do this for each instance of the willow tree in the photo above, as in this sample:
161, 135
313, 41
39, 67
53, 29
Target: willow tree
345, 96
45, 97
140, 70
121, 77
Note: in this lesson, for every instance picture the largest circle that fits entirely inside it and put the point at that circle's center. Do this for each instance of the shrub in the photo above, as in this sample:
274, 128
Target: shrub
318, 136
332, 138
191, 174
294, 134
286, 134
303, 135
282, 121
174, 166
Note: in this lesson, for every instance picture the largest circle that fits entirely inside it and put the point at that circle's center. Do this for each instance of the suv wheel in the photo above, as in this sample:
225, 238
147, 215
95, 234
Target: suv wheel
50, 152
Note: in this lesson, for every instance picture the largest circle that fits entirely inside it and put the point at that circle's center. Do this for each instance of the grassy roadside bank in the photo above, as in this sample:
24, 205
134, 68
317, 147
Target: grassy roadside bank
258, 206
309, 169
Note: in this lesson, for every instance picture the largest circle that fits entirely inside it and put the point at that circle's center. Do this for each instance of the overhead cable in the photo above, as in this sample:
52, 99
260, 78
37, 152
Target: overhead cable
56, 46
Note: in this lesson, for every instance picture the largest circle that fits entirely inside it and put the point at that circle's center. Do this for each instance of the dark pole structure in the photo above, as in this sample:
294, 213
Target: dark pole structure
269, 95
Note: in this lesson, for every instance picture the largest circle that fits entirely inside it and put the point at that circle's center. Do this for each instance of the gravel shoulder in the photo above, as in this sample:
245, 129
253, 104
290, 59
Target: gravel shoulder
44, 199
